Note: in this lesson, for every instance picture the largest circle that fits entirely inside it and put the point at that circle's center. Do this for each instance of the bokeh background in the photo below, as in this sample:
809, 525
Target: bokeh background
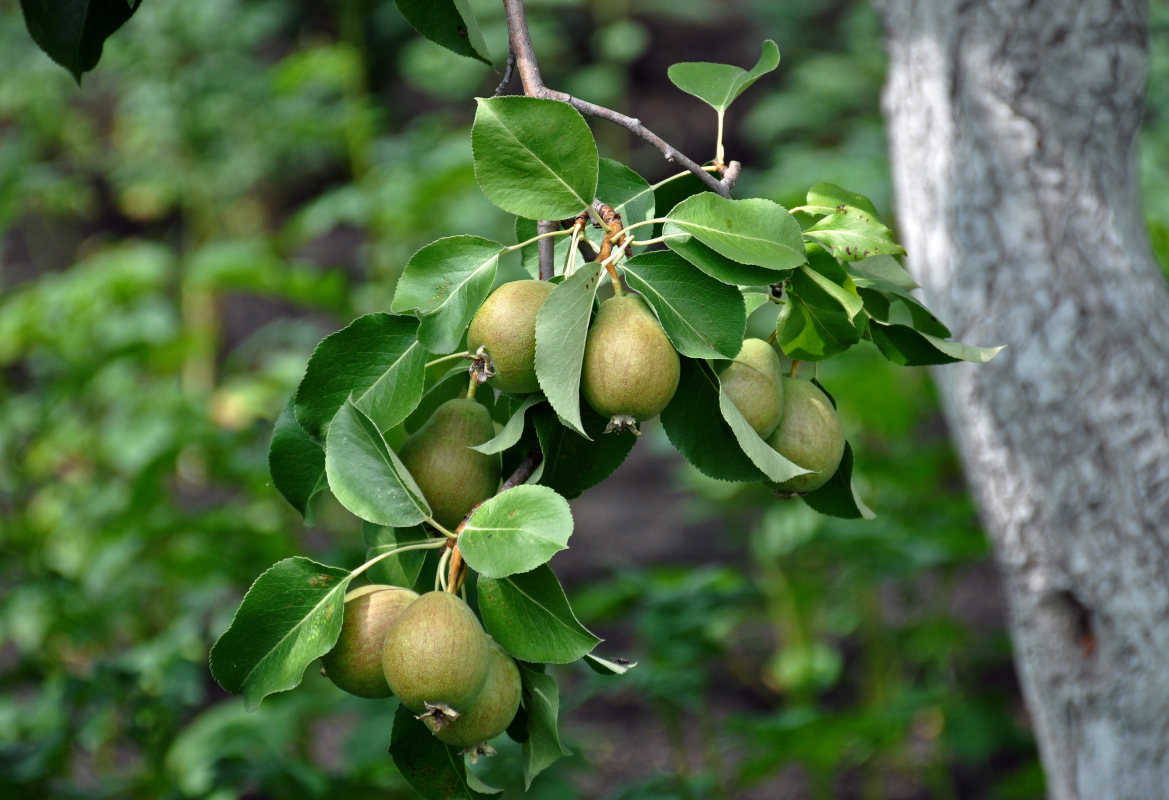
238, 179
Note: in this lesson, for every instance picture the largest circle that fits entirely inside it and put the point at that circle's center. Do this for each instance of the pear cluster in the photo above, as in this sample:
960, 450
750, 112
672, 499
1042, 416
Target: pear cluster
793, 416
431, 652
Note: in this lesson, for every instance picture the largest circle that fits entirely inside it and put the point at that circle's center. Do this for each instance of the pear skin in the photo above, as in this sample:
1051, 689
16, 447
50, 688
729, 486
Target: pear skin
808, 434
505, 325
354, 664
489, 714
630, 368
452, 477
752, 381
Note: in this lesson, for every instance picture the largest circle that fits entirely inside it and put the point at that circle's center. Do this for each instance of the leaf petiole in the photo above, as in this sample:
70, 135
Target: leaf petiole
430, 545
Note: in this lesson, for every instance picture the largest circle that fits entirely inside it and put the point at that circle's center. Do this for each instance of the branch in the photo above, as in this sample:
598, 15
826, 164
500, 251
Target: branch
521, 45
524, 470
546, 248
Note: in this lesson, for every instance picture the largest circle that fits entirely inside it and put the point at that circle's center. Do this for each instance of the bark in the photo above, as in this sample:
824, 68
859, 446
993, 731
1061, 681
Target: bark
1012, 131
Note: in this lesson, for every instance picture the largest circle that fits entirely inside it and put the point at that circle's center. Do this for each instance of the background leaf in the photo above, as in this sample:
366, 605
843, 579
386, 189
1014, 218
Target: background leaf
627, 192
719, 84
525, 171
446, 282
377, 359
530, 617
366, 476
450, 23
562, 326
903, 345
516, 531
541, 704
753, 231
296, 462
435, 770
402, 569
573, 463
838, 497
695, 426
704, 317
73, 33
290, 617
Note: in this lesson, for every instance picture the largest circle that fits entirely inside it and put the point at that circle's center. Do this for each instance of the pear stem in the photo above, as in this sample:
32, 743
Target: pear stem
474, 384
795, 370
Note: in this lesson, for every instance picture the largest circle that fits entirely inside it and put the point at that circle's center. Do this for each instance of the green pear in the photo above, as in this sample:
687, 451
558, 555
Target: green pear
436, 653
505, 325
808, 434
752, 381
452, 477
630, 370
355, 662
489, 714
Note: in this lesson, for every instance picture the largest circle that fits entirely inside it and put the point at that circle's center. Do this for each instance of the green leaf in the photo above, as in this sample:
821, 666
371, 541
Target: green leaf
753, 231
853, 235
694, 423
436, 771
719, 84
704, 317
603, 666
297, 464
827, 198
449, 23
843, 293
290, 617
882, 268
377, 360
366, 476
910, 348
516, 531
887, 303
838, 497
534, 158
812, 325
562, 326
719, 266
511, 432
573, 463
73, 33
445, 283
625, 191
762, 455
540, 698
529, 616
402, 569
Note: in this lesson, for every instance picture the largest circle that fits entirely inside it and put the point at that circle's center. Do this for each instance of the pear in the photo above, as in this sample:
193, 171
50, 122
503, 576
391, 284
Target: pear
436, 653
808, 434
452, 477
355, 662
491, 711
752, 381
630, 370
505, 325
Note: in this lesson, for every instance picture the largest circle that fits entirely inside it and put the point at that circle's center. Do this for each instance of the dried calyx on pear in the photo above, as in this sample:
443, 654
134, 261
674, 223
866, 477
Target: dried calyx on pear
489, 714
505, 326
808, 434
752, 382
630, 370
453, 478
355, 662
436, 656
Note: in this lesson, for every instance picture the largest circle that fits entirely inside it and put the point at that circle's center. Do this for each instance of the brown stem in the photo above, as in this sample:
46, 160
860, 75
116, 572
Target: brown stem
507, 73
521, 45
524, 470
546, 248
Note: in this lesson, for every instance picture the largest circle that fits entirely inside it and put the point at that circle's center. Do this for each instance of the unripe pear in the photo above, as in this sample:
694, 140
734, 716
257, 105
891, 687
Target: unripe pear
355, 662
808, 434
505, 325
436, 653
452, 477
630, 370
752, 382
491, 711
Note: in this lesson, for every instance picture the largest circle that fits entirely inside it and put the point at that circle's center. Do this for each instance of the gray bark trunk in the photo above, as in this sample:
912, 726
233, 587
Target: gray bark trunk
1012, 131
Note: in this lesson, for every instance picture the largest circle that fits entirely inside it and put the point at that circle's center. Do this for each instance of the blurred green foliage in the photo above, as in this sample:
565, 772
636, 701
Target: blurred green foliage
238, 179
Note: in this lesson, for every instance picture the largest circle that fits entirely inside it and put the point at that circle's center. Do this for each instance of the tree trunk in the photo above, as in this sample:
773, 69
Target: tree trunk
1012, 127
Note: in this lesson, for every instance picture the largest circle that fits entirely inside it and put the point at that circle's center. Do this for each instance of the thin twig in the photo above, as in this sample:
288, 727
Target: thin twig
546, 248
524, 470
507, 73
521, 45
731, 175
